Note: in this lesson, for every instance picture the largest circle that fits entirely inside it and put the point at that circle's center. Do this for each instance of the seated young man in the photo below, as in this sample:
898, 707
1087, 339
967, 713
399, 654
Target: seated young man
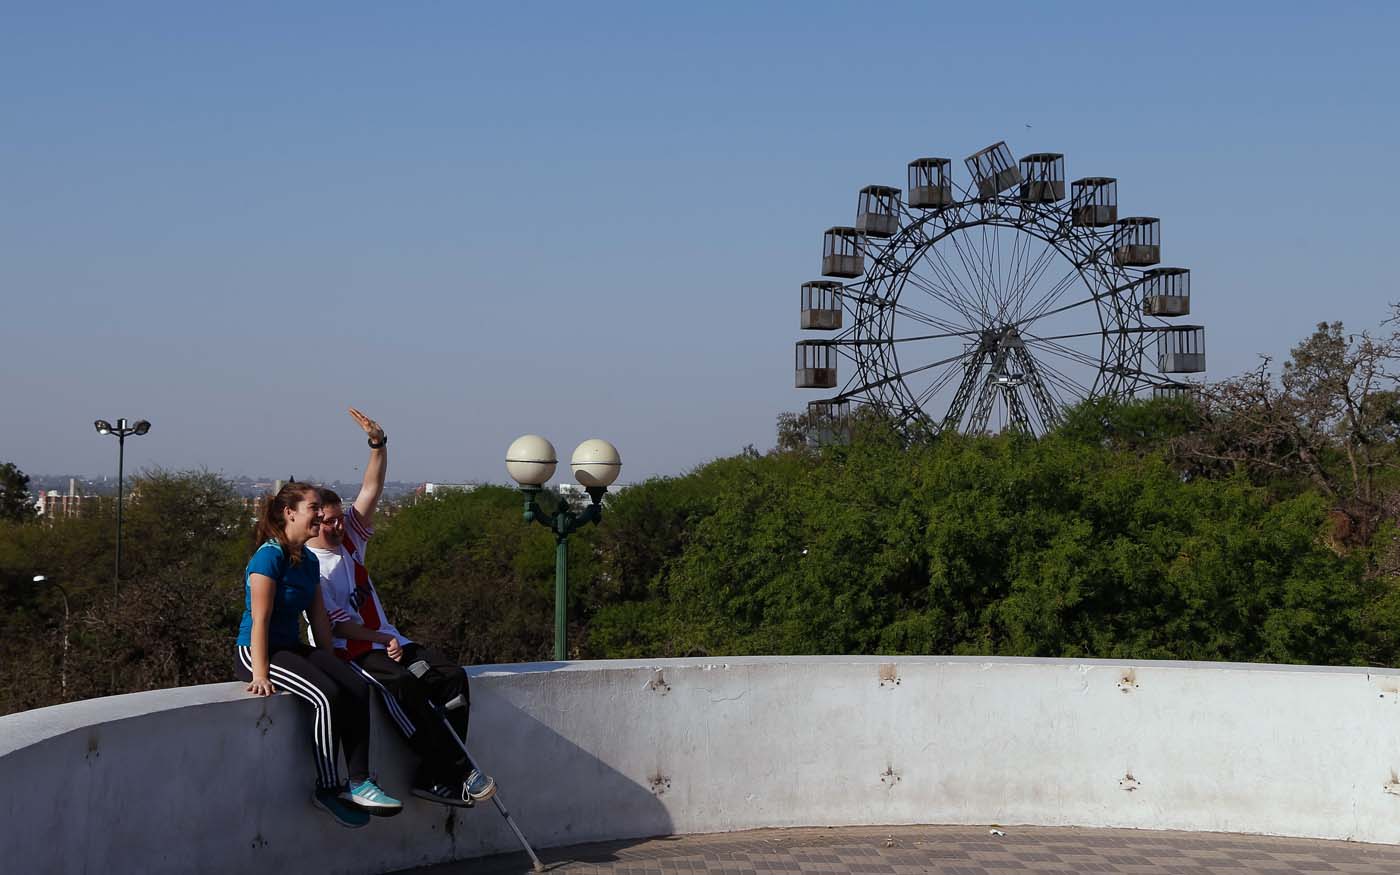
365, 637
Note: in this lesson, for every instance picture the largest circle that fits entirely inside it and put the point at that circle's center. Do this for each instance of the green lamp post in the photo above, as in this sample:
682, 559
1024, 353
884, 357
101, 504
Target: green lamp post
531, 461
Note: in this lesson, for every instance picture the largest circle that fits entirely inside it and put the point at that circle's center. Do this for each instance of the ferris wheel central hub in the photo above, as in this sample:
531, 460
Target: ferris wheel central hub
1002, 337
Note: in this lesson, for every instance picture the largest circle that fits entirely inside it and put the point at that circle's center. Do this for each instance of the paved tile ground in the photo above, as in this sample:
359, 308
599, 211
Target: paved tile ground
948, 850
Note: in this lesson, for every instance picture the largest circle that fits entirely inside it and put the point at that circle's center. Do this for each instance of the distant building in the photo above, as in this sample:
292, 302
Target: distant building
576, 494
443, 488
52, 504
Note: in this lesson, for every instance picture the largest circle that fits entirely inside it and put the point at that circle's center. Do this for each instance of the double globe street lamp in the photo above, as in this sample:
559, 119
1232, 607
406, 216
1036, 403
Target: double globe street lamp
122, 431
531, 461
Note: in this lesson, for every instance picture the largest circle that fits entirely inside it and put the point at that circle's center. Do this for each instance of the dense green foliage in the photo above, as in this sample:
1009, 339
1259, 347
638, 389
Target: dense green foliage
1056, 547
1257, 525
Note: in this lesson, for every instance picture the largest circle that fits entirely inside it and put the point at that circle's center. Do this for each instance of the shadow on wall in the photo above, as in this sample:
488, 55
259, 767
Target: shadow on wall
558, 792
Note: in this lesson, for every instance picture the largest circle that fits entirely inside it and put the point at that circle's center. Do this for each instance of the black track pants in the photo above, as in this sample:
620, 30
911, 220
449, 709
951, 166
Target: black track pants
407, 701
339, 696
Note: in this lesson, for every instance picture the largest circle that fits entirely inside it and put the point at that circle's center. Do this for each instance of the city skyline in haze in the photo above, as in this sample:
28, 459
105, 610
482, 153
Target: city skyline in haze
474, 223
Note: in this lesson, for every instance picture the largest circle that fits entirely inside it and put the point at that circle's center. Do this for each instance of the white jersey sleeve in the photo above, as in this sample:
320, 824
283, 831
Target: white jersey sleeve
358, 533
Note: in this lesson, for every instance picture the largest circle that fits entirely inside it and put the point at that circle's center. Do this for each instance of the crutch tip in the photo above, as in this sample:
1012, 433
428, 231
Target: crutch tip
539, 867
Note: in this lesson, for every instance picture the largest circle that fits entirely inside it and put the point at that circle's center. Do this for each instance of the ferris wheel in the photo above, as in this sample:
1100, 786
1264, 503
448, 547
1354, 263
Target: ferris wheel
993, 306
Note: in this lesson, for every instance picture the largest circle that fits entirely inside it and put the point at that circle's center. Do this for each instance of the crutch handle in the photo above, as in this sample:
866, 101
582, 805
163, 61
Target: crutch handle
419, 668
457, 701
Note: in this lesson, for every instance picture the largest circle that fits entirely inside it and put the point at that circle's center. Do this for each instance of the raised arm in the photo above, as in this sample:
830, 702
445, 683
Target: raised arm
375, 469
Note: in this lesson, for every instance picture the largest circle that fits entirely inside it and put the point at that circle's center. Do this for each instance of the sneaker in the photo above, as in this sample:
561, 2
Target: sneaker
443, 794
479, 786
328, 800
368, 796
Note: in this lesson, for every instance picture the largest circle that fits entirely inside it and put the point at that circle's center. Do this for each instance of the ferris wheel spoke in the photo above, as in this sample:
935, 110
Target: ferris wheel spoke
1039, 339
952, 283
972, 289
941, 295
900, 375
933, 336
1067, 382
1089, 300
937, 385
977, 277
947, 296
948, 277
1015, 281
925, 319
1027, 281
988, 266
1005, 264
1048, 299
881, 341
990, 259
1052, 383
1067, 352
1065, 389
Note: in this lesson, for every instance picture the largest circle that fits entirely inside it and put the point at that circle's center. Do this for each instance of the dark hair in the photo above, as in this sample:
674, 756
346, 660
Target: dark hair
328, 497
272, 520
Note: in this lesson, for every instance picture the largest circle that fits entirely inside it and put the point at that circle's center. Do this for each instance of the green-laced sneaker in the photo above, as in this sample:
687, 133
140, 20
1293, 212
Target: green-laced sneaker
328, 800
370, 797
479, 786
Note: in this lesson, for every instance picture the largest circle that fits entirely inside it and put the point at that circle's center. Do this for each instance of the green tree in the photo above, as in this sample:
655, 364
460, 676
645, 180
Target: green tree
15, 501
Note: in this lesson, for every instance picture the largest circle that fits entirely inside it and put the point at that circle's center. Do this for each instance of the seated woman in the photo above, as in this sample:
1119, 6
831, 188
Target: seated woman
283, 580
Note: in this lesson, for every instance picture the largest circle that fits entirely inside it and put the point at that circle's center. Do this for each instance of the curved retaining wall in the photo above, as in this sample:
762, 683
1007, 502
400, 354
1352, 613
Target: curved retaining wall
209, 778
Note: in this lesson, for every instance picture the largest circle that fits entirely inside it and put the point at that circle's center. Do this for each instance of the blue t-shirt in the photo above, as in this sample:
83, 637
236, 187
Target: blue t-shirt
295, 588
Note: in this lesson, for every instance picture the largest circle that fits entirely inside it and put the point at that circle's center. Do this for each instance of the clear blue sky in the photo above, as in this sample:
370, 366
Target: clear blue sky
479, 220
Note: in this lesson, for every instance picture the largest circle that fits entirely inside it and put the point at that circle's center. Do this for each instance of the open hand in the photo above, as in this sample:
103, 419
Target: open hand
261, 687
372, 428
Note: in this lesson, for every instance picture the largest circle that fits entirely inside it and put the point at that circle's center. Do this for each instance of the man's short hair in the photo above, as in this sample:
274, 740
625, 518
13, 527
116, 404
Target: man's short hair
328, 497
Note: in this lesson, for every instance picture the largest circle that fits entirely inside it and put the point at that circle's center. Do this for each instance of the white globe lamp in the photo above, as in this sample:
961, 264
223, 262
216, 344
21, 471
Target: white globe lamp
596, 463
531, 460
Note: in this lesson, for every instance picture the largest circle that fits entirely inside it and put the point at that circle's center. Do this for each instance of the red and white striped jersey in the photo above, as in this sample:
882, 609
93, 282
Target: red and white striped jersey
347, 590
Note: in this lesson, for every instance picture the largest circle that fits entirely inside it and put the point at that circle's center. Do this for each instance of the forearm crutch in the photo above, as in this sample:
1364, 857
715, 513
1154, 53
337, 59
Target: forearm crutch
418, 670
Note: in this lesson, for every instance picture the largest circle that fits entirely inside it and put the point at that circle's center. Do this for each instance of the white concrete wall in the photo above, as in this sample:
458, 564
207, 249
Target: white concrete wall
209, 778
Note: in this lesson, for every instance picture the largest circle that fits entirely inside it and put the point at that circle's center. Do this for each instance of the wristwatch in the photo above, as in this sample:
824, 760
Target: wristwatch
383, 442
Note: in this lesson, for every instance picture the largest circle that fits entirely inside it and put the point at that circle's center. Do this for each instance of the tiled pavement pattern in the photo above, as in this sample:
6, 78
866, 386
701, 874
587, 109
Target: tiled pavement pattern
948, 850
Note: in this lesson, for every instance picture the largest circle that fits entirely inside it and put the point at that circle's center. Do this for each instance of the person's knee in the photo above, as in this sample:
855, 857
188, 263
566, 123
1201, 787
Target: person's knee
414, 689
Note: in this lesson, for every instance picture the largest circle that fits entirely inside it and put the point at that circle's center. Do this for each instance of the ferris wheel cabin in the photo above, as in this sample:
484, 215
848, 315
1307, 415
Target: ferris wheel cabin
1166, 291
829, 409
821, 305
828, 421
1181, 349
841, 253
1138, 242
877, 211
1094, 202
993, 169
816, 364
930, 182
1174, 390
1043, 178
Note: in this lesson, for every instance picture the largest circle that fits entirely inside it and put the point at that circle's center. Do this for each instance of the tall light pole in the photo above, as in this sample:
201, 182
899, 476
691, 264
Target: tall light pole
122, 430
63, 660
531, 461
